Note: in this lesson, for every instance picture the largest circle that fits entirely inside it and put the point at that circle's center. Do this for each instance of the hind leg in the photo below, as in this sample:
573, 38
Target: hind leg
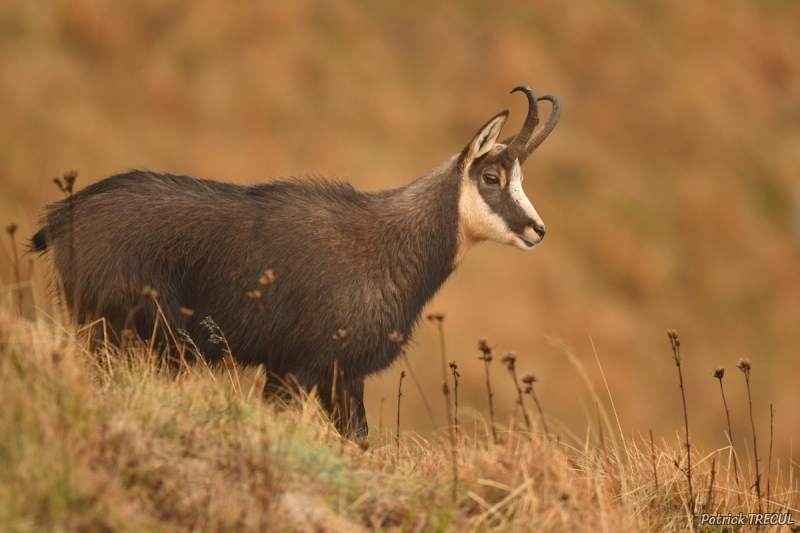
357, 419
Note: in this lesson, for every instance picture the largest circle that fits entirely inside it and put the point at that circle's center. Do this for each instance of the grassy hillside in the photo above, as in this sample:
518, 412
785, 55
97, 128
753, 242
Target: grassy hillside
669, 188
97, 442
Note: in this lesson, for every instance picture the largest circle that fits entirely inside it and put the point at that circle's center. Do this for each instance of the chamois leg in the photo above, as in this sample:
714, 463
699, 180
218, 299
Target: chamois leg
346, 407
358, 415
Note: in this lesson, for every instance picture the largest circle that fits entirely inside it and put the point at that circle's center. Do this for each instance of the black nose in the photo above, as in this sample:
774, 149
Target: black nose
540, 231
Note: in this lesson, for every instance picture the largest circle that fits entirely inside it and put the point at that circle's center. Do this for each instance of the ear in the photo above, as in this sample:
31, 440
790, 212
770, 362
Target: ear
486, 137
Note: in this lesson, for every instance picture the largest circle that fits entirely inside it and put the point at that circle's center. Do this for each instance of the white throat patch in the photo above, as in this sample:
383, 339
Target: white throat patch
515, 188
477, 221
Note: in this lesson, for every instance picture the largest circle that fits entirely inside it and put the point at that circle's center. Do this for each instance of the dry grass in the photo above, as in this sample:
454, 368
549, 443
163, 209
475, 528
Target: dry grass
669, 191
92, 441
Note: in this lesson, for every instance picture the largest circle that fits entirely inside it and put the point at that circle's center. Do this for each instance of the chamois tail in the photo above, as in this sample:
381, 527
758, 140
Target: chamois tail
38, 242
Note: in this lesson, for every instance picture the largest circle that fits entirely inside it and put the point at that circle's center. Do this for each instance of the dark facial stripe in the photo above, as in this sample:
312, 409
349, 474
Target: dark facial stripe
499, 198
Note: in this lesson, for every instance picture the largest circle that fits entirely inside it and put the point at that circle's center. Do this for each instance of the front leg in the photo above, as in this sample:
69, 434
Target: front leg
358, 415
345, 407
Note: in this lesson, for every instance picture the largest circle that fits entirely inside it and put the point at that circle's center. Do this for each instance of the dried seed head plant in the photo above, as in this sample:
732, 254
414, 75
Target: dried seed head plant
529, 379
719, 373
769, 457
486, 357
675, 343
510, 360
745, 366
399, 396
268, 278
11, 229
66, 184
456, 375
398, 338
438, 319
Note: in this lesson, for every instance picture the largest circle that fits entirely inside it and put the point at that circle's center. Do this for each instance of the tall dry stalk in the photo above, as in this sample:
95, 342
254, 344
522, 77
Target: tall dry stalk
438, 319
186, 314
456, 375
11, 229
510, 360
67, 187
260, 295
529, 379
421, 391
341, 407
676, 355
334, 384
710, 497
399, 395
603, 443
345, 413
398, 338
149, 292
745, 366
655, 470
769, 459
719, 373
486, 357
380, 420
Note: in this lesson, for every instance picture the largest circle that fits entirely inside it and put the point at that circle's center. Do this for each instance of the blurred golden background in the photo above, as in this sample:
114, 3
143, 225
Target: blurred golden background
670, 188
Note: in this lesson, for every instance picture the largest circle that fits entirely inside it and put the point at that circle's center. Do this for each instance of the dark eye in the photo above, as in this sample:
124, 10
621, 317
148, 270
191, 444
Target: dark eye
490, 179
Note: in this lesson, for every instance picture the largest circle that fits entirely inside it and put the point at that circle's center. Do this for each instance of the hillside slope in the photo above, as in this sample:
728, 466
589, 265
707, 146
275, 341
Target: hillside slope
669, 188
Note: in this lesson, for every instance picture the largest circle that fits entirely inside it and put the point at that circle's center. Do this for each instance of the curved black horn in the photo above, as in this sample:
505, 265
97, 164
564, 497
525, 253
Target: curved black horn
521, 139
539, 137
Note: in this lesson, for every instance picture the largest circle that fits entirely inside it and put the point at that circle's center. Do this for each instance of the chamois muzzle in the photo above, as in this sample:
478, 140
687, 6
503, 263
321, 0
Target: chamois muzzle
527, 140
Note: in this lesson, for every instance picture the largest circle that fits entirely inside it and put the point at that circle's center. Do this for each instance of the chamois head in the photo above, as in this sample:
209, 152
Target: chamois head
492, 205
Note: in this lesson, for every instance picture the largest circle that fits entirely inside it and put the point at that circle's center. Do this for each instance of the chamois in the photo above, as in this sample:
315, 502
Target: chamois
350, 267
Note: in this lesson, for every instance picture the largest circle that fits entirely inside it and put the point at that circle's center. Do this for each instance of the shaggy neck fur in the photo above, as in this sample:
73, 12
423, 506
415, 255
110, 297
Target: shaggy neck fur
418, 227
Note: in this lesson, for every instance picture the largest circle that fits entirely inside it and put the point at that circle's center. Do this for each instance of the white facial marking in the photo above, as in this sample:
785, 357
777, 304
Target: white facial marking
515, 188
479, 223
